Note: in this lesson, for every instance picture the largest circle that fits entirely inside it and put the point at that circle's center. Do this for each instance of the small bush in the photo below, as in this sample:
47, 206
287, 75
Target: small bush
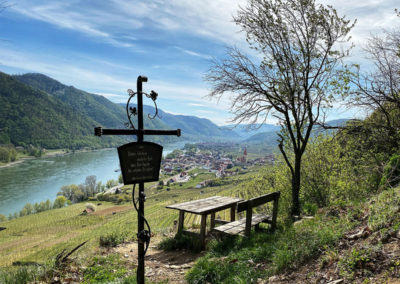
113, 239
90, 206
180, 241
26, 274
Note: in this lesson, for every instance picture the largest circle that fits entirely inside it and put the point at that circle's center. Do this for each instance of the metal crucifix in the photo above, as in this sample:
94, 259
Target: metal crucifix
140, 162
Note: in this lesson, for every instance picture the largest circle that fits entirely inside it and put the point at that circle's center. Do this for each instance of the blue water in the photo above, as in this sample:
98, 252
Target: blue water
36, 180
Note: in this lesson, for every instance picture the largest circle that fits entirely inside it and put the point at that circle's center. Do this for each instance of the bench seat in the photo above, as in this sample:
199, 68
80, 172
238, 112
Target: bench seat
239, 226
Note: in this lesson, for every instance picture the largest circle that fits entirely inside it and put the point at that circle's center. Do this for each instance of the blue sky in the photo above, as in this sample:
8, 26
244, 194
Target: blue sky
102, 46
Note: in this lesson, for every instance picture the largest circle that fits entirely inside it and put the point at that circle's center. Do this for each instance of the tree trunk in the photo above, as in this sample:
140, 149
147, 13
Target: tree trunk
296, 186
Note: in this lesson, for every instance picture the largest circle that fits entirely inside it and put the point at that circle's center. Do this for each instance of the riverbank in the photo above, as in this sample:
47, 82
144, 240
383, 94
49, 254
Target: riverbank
48, 154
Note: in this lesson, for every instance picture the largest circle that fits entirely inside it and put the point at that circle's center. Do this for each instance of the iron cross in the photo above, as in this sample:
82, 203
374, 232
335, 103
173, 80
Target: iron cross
143, 236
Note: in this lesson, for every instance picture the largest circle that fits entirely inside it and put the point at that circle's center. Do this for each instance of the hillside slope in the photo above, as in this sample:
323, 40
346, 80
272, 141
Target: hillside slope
30, 116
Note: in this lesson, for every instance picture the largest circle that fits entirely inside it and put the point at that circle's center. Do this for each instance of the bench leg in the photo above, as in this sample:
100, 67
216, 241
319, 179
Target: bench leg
212, 220
233, 209
203, 230
181, 220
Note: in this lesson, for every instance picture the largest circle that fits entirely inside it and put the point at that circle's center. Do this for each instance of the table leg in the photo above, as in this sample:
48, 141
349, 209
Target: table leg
203, 229
181, 220
233, 209
212, 223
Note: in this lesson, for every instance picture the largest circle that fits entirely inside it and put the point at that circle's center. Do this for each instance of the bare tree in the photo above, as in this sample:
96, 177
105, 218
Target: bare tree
297, 77
379, 89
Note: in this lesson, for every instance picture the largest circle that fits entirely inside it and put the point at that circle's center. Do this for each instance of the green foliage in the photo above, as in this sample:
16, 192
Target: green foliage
32, 117
105, 269
3, 218
59, 202
391, 172
111, 183
26, 274
357, 259
384, 209
7, 154
113, 239
235, 260
78, 193
180, 241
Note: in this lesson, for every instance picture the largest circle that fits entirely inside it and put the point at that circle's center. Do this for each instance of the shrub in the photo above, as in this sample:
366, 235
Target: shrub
180, 241
3, 218
113, 239
90, 206
391, 172
59, 202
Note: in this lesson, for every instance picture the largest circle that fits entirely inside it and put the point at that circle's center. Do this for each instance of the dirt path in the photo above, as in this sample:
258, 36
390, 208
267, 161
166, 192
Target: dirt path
161, 265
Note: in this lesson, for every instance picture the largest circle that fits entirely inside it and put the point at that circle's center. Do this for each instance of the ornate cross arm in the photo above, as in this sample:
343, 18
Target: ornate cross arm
99, 131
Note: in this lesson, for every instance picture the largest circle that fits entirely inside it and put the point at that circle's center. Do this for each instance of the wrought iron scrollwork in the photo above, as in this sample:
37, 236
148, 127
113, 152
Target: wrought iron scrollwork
133, 111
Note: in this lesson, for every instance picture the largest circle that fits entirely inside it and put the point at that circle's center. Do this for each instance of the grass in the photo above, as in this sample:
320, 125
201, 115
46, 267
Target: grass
40, 237
242, 260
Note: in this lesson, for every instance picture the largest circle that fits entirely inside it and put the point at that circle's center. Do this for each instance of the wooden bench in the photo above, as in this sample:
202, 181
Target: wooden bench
244, 224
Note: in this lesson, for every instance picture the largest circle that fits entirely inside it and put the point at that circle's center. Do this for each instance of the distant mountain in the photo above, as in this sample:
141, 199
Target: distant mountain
98, 108
270, 136
246, 131
102, 111
31, 116
193, 127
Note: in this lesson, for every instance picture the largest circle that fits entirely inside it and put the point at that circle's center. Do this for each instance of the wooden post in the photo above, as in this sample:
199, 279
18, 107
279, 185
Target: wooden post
249, 215
275, 212
181, 221
233, 212
212, 220
203, 229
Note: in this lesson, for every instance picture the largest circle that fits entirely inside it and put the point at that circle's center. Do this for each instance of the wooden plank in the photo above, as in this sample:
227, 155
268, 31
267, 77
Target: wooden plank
236, 227
207, 205
220, 222
257, 201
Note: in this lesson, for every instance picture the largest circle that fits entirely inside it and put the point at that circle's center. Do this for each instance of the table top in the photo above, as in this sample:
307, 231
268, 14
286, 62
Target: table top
206, 205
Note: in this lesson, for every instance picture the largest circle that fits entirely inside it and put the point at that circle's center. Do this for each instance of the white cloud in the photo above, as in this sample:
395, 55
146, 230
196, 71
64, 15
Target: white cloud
193, 53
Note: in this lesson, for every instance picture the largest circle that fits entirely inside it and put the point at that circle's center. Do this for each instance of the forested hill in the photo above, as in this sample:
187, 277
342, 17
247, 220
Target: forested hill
30, 116
95, 107
41, 111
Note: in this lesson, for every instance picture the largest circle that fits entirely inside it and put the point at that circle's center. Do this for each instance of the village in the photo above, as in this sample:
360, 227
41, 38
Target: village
179, 163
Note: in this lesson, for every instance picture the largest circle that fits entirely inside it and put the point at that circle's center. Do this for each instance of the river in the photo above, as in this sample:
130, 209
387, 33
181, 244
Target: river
36, 180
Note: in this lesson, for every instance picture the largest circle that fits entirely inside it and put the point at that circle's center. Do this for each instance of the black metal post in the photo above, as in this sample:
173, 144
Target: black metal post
143, 236
140, 268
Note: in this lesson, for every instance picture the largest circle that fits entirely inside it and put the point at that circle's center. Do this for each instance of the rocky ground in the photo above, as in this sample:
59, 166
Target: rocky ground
362, 256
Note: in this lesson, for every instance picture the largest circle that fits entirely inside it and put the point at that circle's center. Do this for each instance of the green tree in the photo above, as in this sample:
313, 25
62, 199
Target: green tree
4, 155
29, 208
59, 202
111, 183
298, 75
3, 218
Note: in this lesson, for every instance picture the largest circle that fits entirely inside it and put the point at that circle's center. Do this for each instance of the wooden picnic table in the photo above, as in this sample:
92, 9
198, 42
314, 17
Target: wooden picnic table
205, 207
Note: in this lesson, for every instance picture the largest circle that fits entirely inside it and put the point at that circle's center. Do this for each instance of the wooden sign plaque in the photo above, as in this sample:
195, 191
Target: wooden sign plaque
140, 161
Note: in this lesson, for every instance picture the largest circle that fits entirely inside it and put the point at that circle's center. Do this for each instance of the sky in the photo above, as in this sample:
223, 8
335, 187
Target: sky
103, 46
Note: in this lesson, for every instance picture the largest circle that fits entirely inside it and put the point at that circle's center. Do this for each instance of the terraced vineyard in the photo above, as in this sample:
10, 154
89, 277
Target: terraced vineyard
40, 237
